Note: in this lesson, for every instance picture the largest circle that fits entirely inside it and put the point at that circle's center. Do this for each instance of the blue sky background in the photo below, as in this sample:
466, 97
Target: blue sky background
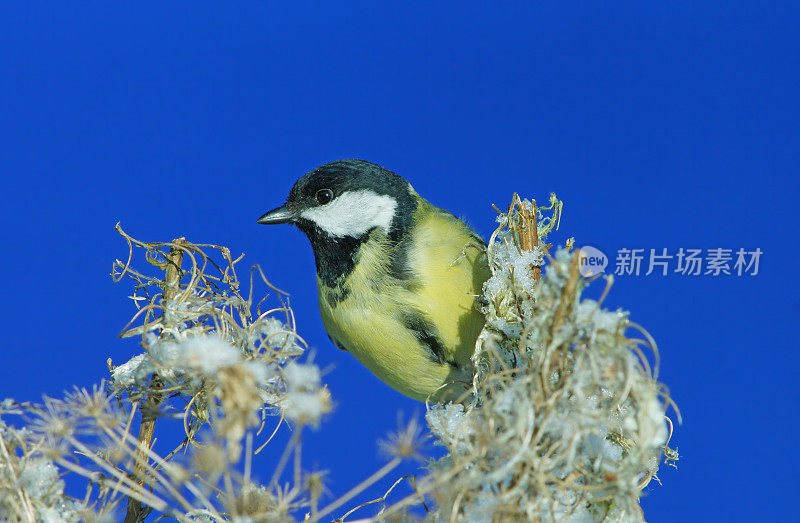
660, 124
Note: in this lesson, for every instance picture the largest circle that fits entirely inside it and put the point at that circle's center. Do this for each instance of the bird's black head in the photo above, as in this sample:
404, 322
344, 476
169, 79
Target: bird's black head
338, 204
346, 199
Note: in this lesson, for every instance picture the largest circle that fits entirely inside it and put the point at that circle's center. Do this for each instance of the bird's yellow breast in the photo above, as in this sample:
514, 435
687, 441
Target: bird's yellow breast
371, 312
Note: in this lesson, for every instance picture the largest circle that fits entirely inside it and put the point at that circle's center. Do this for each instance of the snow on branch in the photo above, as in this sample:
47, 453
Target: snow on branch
565, 420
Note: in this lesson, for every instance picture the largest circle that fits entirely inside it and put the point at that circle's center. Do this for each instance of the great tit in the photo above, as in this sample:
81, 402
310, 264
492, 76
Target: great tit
398, 279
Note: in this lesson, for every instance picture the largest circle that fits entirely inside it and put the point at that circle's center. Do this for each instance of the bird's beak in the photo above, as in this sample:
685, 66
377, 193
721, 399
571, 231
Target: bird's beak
280, 215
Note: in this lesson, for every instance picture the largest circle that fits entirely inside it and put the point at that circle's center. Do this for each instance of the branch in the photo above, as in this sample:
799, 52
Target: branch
136, 512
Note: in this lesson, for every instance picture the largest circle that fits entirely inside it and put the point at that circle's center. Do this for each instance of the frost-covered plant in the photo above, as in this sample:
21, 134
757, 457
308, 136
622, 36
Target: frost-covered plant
567, 422
210, 357
30, 483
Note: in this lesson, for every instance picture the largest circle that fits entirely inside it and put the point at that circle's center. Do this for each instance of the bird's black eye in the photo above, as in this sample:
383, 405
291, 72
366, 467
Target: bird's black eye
324, 196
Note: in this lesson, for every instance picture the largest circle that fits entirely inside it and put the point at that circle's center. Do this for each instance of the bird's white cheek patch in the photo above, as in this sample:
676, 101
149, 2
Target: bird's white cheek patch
353, 213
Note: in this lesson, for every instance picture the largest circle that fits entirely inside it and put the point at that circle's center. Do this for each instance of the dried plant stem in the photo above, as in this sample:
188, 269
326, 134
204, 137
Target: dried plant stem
355, 491
528, 230
563, 308
172, 267
567, 296
276, 475
420, 491
377, 500
28, 510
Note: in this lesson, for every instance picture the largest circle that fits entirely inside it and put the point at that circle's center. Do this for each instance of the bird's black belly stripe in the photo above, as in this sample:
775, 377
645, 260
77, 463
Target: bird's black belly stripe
335, 257
426, 334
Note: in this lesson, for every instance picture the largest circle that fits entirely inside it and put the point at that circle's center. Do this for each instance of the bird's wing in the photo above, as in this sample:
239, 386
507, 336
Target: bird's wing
448, 263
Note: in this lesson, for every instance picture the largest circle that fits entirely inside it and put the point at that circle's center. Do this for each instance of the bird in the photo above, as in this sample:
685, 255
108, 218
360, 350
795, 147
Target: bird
399, 280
